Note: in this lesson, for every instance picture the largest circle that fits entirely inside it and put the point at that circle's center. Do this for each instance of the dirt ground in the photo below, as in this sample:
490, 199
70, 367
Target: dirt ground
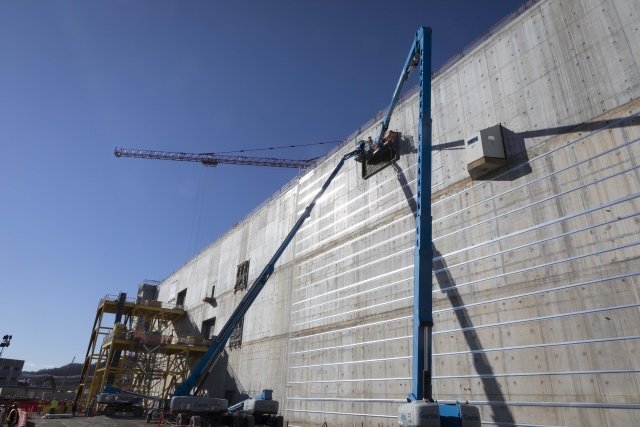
100, 421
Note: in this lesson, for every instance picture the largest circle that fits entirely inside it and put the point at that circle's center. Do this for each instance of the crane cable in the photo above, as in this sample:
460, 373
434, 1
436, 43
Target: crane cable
274, 148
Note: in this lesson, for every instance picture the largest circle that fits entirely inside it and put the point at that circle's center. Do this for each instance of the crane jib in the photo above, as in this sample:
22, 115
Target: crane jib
212, 159
208, 360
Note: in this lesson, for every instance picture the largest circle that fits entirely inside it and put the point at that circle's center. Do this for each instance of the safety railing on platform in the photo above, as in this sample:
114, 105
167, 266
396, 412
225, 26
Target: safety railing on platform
154, 338
148, 303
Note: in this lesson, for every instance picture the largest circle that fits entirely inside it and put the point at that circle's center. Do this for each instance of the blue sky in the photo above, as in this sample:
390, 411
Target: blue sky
79, 78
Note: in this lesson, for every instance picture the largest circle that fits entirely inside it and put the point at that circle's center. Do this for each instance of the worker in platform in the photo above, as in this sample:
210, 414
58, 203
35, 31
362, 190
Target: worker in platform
74, 408
54, 406
14, 415
390, 138
65, 406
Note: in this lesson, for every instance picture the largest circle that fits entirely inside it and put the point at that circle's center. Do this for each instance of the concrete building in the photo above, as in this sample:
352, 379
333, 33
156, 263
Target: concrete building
536, 266
10, 371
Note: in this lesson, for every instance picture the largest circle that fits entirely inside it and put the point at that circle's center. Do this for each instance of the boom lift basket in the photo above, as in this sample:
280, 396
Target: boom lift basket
374, 160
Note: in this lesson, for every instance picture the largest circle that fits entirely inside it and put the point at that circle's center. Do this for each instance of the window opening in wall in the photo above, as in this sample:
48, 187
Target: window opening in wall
182, 296
235, 340
208, 328
242, 277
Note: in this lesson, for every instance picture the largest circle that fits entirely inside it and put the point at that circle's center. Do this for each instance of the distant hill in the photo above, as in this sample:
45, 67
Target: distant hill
71, 368
71, 371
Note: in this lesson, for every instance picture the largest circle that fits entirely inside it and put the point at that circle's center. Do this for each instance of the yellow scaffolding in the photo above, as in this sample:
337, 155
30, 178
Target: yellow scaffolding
137, 355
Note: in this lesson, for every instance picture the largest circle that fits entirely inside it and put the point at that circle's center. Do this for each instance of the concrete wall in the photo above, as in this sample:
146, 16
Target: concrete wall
536, 267
10, 371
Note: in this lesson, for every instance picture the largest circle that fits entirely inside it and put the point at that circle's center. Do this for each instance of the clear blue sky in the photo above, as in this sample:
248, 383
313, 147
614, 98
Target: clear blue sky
78, 78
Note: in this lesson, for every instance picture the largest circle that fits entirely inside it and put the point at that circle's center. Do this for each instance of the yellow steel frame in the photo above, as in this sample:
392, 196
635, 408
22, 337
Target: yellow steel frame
149, 369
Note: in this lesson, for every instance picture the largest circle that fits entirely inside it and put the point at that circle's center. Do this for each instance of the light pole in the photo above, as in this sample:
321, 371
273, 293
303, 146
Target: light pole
6, 341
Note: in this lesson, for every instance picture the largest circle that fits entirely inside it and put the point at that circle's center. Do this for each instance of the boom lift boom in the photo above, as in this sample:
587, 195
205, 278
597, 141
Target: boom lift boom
422, 410
212, 411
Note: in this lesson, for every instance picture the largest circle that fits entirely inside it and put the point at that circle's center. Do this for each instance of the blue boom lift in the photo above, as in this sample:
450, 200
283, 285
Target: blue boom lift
421, 410
261, 409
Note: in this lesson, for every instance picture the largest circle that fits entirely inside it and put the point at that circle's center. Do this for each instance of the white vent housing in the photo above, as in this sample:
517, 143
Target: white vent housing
485, 151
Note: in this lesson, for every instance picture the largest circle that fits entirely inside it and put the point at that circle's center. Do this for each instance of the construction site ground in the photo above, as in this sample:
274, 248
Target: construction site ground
100, 421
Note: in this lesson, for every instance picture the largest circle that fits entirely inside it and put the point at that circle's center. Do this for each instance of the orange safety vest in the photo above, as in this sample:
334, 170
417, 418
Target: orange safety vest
13, 416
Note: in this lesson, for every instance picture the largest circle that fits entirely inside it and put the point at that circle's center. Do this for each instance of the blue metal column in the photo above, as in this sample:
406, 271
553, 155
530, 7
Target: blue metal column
422, 283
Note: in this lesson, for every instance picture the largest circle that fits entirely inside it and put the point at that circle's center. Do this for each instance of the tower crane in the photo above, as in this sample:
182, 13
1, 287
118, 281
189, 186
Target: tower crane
212, 159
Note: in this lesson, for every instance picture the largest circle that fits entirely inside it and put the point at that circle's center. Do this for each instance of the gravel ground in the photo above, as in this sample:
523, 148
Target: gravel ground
100, 421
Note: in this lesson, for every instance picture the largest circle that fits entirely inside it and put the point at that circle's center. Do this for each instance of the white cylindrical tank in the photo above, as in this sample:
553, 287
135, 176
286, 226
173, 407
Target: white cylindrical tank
197, 404
261, 406
419, 413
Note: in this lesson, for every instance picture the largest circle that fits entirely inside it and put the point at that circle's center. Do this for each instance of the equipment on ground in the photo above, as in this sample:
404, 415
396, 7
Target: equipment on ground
261, 407
49, 379
430, 414
419, 414
119, 401
158, 408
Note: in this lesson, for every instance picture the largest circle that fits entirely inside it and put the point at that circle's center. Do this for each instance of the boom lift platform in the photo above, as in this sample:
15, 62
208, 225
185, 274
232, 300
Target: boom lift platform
377, 155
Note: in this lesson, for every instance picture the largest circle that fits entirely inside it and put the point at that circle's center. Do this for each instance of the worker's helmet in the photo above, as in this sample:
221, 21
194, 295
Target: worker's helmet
15, 403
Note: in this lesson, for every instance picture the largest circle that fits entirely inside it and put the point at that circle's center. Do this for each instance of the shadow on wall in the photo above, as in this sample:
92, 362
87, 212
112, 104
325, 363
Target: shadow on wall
406, 188
406, 146
516, 149
491, 386
222, 381
186, 326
